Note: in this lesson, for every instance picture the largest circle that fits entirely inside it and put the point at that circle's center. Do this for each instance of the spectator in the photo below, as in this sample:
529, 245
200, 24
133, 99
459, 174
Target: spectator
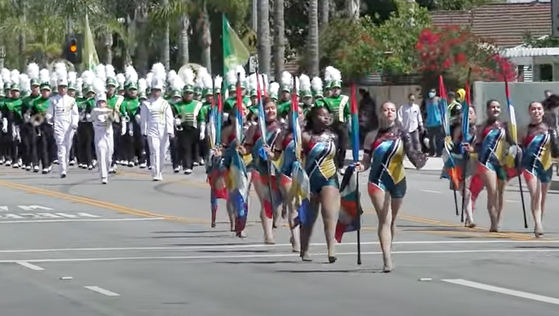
434, 124
411, 121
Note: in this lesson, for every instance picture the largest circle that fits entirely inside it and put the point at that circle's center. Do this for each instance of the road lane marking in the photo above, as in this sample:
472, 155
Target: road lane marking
128, 219
431, 191
30, 266
141, 213
280, 255
502, 290
101, 290
248, 246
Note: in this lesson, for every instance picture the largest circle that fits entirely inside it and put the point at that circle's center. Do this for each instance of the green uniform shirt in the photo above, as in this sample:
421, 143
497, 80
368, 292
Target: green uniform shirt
28, 102
339, 106
39, 105
130, 107
284, 108
231, 103
14, 106
190, 113
207, 108
115, 102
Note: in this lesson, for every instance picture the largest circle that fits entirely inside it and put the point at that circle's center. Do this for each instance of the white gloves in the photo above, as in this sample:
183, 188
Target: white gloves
138, 118
178, 122
88, 117
102, 118
123, 128
4, 125
202, 131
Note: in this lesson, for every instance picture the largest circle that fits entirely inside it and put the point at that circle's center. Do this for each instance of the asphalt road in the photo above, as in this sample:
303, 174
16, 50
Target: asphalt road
136, 247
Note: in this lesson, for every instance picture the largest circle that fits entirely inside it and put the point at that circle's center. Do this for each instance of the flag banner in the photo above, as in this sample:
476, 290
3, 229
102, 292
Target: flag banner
235, 52
91, 59
450, 169
350, 209
237, 185
512, 160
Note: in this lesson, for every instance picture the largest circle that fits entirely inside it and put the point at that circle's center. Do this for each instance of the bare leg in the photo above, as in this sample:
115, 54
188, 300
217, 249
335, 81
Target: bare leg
381, 202
267, 223
292, 213
489, 178
535, 190
501, 200
330, 207
306, 230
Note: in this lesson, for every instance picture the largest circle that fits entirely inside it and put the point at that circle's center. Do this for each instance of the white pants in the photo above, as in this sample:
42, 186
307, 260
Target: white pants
157, 149
104, 148
64, 144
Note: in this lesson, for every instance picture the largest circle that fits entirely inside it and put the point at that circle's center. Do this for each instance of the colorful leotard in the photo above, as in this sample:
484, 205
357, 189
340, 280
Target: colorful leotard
288, 156
387, 165
536, 160
491, 148
320, 165
458, 157
272, 132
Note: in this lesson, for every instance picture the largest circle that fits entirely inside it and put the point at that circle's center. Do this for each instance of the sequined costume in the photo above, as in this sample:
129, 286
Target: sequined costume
491, 148
320, 164
537, 160
387, 165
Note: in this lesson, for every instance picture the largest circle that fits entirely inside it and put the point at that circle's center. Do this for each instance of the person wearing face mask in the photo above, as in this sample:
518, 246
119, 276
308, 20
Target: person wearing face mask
434, 124
491, 152
540, 145
384, 152
411, 121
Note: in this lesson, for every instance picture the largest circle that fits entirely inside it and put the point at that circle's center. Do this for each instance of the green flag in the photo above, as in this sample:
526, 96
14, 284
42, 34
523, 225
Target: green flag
234, 51
90, 58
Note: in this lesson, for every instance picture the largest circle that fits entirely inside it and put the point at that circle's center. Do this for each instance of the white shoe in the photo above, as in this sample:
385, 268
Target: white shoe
202, 162
55, 162
143, 165
28, 168
188, 171
177, 169
45, 170
8, 163
90, 167
16, 165
94, 162
195, 164
131, 164
72, 162
104, 180
36, 169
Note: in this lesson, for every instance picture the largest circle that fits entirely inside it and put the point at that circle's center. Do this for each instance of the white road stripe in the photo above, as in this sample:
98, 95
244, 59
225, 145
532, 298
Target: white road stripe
279, 255
501, 290
101, 290
131, 219
431, 191
29, 265
186, 248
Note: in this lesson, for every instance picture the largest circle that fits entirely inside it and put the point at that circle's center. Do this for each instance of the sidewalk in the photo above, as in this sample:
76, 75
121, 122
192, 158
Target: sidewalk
433, 164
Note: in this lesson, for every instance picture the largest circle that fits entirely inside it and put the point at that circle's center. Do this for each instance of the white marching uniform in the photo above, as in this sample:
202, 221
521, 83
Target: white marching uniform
63, 111
157, 124
102, 119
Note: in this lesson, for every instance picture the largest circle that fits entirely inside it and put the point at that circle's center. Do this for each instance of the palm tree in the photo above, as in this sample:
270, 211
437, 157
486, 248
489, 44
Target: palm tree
263, 36
324, 12
314, 66
205, 36
279, 38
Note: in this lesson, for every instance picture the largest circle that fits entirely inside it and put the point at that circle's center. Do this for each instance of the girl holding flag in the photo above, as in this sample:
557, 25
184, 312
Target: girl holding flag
540, 145
320, 143
261, 178
384, 152
490, 148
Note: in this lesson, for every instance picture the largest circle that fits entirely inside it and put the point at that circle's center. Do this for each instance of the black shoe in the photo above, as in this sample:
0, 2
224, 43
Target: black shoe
63, 175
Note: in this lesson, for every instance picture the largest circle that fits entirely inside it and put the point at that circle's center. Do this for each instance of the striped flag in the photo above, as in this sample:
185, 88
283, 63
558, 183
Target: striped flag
450, 169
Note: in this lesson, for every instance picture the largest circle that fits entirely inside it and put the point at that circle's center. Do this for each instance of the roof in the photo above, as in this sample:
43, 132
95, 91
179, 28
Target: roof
503, 24
531, 52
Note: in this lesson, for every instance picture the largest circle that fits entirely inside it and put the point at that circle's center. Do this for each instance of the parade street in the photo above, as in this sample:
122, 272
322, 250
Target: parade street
136, 247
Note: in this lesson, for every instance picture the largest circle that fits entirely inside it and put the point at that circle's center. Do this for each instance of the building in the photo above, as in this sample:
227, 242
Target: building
505, 25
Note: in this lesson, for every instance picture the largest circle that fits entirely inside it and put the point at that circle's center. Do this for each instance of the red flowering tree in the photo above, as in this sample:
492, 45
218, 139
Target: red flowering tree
452, 50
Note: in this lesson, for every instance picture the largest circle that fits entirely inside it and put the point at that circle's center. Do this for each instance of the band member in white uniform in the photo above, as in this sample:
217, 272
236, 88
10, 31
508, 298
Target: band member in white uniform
63, 111
103, 118
157, 125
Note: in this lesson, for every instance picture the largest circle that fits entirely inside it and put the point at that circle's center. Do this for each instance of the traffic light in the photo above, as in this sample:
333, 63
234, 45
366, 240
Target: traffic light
72, 51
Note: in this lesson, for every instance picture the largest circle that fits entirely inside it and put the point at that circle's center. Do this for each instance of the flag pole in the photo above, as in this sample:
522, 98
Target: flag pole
465, 130
355, 147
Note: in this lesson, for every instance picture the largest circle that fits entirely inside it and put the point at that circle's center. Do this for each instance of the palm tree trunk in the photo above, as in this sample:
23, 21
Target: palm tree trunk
107, 46
22, 39
263, 36
206, 39
353, 8
279, 38
324, 12
313, 38
184, 39
165, 45
141, 55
